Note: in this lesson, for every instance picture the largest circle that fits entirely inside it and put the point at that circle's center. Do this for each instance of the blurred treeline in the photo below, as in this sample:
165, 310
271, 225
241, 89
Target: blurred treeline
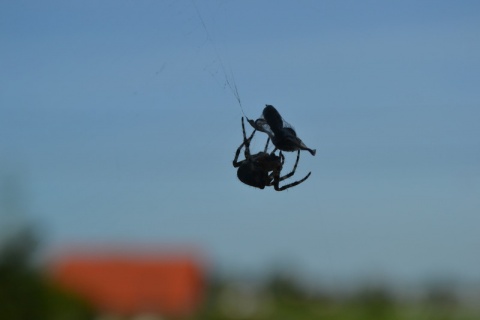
25, 292
283, 297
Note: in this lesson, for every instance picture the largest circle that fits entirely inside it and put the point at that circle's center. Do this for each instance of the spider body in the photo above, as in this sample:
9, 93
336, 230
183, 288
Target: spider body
263, 169
283, 136
255, 171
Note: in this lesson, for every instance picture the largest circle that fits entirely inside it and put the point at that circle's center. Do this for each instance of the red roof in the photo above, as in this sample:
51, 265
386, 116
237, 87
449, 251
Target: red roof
167, 284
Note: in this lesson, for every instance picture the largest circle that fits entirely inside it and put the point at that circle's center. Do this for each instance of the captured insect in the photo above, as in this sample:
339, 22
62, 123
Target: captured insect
263, 169
281, 133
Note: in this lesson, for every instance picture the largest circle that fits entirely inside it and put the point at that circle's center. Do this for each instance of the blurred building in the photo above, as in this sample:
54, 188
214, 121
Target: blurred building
170, 284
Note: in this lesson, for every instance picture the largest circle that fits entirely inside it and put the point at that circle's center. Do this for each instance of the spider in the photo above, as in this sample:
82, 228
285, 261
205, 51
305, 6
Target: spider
281, 133
263, 169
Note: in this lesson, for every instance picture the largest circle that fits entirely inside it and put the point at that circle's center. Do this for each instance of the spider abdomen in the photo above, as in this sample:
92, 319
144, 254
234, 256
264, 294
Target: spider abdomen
252, 175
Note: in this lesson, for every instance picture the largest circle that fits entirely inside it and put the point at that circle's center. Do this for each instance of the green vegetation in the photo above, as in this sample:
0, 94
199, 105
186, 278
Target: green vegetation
24, 292
283, 299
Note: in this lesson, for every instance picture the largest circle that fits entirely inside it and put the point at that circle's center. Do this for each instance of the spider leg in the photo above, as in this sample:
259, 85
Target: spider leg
277, 178
293, 184
246, 143
266, 146
236, 163
282, 158
294, 167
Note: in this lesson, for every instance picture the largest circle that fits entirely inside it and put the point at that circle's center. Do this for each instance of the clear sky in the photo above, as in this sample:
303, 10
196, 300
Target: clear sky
117, 118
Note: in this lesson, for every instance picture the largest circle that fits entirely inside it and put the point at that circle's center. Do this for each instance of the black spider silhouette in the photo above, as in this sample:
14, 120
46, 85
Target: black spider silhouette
263, 169
281, 133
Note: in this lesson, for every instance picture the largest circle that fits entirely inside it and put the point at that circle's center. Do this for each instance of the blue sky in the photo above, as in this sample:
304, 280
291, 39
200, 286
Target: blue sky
117, 119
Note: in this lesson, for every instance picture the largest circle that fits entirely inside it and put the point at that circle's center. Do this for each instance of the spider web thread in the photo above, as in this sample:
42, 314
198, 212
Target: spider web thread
229, 76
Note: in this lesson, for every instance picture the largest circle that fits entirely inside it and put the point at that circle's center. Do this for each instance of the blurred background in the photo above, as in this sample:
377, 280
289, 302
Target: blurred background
119, 121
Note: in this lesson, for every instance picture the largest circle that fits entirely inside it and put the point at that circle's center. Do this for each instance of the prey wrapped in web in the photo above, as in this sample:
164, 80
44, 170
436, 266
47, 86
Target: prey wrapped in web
281, 133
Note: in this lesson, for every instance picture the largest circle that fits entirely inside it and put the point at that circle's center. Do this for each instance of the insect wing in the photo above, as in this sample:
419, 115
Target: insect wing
276, 122
273, 118
261, 125
272, 123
